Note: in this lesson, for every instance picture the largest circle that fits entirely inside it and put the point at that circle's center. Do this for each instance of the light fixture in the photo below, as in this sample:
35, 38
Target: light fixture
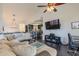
51, 7
55, 10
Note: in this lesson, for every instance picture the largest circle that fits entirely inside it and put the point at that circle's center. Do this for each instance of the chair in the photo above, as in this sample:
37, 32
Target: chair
34, 36
72, 46
53, 39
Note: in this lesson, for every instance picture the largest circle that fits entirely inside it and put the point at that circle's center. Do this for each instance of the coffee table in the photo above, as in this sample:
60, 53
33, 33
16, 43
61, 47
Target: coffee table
40, 47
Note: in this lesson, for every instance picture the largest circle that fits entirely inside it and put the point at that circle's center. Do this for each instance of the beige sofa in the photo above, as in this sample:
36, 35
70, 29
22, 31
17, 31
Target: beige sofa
13, 47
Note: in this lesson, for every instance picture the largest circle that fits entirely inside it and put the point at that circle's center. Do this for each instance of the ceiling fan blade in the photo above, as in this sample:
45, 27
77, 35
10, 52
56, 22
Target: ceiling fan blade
41, 6
57, 4
45, 11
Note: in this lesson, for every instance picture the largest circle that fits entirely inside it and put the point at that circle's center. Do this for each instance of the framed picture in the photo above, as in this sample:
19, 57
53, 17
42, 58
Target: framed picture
75, 25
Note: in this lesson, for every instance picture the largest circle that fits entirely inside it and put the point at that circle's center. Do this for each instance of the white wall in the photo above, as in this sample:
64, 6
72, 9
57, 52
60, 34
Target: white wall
21, 15
67, 13
1, 19
24, 13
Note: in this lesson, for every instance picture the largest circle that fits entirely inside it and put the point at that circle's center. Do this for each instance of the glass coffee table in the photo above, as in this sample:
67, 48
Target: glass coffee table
40, 47
37, 44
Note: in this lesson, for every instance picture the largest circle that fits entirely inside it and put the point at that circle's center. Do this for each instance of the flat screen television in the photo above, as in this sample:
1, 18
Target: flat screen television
54, 24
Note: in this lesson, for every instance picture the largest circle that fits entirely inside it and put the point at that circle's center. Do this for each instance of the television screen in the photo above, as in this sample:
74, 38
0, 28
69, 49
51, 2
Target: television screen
54, 24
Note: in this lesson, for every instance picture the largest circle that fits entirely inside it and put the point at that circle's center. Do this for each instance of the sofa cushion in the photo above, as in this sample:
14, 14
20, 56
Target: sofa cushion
6, 52
2, 37
12, 43
4, 41
4, 46
24, 50
10, 37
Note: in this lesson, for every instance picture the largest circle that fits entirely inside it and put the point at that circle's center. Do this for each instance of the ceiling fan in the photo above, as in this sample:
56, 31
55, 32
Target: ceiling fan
50, 6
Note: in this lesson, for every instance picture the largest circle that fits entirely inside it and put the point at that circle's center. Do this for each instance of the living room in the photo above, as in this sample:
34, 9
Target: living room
15, 16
